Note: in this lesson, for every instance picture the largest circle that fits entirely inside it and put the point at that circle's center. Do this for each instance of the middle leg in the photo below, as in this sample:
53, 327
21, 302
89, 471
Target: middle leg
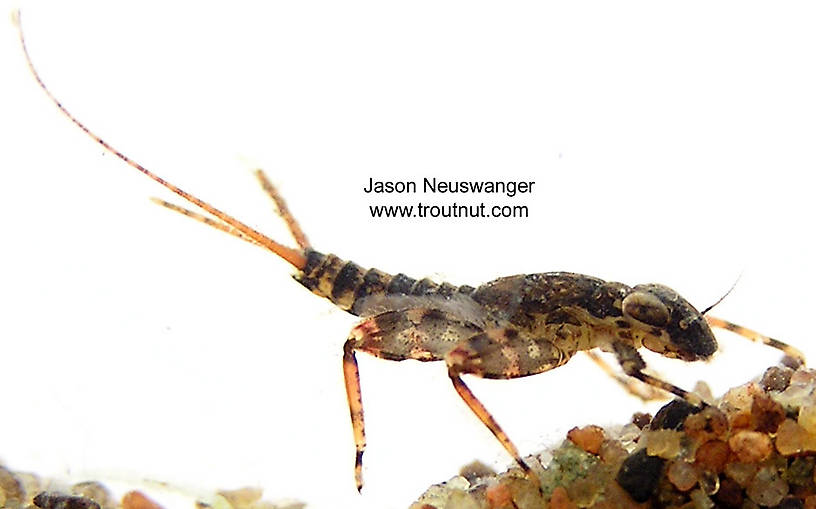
500, 353
633, 386
487, 419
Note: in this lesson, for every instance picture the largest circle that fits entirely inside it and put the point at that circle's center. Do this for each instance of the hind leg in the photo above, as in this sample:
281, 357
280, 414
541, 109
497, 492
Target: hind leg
351, 376
417, 333
632, 386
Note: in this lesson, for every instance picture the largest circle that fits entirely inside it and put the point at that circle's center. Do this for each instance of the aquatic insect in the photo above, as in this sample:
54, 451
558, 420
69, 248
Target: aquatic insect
511, 327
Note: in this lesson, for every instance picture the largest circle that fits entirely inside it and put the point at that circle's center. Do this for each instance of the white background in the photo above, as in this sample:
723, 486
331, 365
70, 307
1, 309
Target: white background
668, 144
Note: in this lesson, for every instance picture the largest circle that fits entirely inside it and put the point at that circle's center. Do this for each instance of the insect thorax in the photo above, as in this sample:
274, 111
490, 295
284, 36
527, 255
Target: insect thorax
575, 311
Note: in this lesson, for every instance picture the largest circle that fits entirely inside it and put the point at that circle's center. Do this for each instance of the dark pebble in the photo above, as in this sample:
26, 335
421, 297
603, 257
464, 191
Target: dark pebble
639, 475
790, 503
673, 415
776, 378
53, 500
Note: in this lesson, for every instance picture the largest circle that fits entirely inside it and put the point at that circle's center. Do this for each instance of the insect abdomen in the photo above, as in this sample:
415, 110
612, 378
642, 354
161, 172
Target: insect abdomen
345, 283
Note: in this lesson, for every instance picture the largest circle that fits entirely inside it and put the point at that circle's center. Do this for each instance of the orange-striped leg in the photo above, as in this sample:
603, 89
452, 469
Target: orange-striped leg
633, 365
757, 337
481, 412
351, 375
632, 386
666, 386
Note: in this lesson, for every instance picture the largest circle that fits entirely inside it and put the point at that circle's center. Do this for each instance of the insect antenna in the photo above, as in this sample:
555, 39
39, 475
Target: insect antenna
709, 308
293, 256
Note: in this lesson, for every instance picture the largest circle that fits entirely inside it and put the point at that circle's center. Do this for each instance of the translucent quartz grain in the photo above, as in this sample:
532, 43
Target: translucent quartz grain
664, 443
242, 498
742, 473
682, 475
767, 488
11, 487
701, 500
807, 418
791, 438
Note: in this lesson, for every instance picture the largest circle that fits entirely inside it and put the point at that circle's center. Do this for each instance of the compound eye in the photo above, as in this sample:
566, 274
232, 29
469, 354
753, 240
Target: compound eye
647, 308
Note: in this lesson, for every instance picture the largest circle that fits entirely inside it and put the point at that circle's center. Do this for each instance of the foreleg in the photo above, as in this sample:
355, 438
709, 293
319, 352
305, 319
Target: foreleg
633, 365
757, 337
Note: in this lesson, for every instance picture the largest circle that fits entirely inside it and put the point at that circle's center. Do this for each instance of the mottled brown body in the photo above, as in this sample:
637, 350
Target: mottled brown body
535, 322
510, 327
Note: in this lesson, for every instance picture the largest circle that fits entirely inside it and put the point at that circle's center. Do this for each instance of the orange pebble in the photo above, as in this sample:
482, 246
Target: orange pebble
136, 500
588, 438
712, 456
560, 499
499, 496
